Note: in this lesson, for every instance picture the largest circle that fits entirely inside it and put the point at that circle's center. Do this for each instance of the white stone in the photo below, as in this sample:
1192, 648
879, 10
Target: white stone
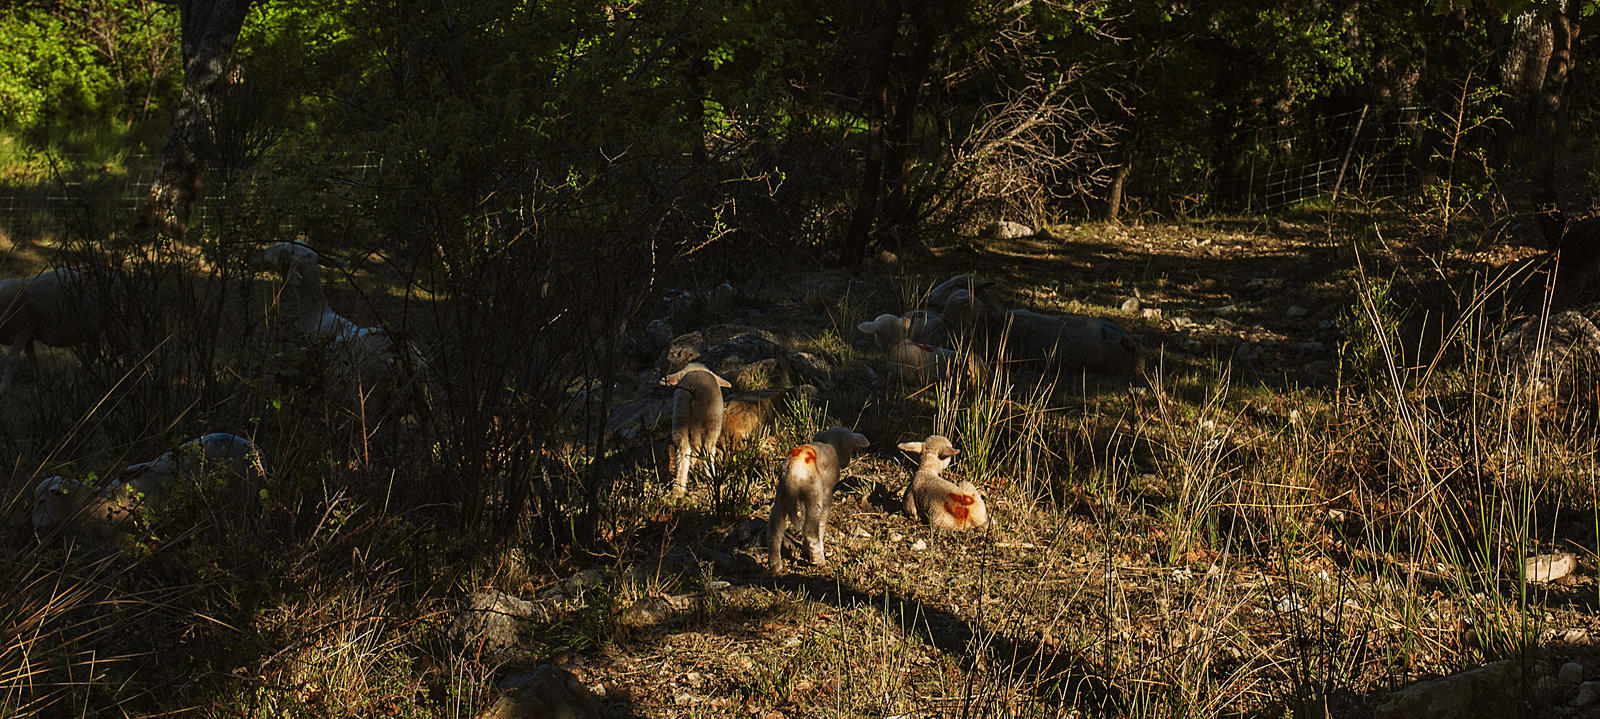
1548, 567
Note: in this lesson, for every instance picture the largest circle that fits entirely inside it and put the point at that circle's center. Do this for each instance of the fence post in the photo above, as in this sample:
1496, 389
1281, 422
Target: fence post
1339, 182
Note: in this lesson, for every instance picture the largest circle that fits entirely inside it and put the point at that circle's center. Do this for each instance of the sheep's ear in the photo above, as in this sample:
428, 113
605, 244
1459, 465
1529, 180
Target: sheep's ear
859, 440
868, 327
912, 447
674, 377
720, 381
948, 451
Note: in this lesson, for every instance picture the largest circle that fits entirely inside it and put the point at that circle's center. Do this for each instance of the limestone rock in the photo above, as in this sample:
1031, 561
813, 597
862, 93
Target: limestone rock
548, 692
1006, 230
1548, 567
1489, 690
726, 349
490, 626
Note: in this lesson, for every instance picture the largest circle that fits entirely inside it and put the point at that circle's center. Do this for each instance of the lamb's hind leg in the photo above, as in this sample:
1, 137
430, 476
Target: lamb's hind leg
680, 482
777, 524
816, 527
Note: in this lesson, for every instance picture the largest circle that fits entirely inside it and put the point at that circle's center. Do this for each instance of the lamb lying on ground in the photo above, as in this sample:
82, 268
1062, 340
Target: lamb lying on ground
940, 294
914, 362
805, 491
935, 500
105, 514
56, 307
382, 372
1069, 343
696, 419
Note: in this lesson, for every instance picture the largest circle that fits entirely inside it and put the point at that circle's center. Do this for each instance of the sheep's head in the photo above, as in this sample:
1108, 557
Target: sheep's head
888, 330
935, 452
51, 503
675, 377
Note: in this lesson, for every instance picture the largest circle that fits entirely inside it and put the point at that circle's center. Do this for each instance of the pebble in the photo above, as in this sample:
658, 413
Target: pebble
1571, 674
1246, 352
896, 536
1313, 346
1296, 311
1150, 313
919, 545
862, 533
1587, 693
1131, 305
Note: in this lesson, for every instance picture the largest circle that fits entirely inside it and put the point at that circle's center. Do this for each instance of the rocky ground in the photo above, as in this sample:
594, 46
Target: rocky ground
1226, 536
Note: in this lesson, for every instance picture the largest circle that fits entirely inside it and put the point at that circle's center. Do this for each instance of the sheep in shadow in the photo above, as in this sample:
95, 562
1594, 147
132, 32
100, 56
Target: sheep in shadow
105, 513
915, 363
57, 307
697, 415
384, 375
1065, 343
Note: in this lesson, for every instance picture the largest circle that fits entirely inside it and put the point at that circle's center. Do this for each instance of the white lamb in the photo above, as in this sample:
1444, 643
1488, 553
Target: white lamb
369, 357
56, 307
915, 362
104, 513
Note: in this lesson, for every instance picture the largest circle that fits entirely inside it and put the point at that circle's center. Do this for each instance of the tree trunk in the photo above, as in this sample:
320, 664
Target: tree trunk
210, 29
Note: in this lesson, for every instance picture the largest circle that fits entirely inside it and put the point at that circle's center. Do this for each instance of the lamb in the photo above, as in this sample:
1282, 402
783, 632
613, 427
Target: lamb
374, 363
746, 413
914, 361
104, 514
55, 307
927, 327
940, 294
696, 419
935, 500
805, 492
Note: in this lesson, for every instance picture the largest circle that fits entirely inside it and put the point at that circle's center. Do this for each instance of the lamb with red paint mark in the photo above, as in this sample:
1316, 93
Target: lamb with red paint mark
936, 501
805, 492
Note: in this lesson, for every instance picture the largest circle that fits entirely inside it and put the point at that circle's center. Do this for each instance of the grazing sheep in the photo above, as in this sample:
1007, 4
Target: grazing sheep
936, 501
805, 492
104, 514
380, 369
56, 307
913, 361
696, 418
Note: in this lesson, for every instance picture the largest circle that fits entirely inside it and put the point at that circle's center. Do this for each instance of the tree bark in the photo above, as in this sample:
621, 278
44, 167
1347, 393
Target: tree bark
210, 29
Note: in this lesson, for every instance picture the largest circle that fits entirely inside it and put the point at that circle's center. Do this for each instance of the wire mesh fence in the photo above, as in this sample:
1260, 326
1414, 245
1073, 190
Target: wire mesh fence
1360, 152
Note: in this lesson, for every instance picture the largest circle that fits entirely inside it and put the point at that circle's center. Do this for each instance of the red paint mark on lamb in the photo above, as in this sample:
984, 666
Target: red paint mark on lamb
805, 454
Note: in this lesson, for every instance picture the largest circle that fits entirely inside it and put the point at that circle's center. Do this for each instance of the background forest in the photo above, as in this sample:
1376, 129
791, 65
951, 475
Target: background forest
1347, 210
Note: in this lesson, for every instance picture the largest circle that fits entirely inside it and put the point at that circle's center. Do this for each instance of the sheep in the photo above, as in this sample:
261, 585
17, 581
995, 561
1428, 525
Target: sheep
805, 492
55, 307
746, 413
940, 294
1069, 343
104, 514
927, 327
696, 419
913, 361
936, 501
370, 358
